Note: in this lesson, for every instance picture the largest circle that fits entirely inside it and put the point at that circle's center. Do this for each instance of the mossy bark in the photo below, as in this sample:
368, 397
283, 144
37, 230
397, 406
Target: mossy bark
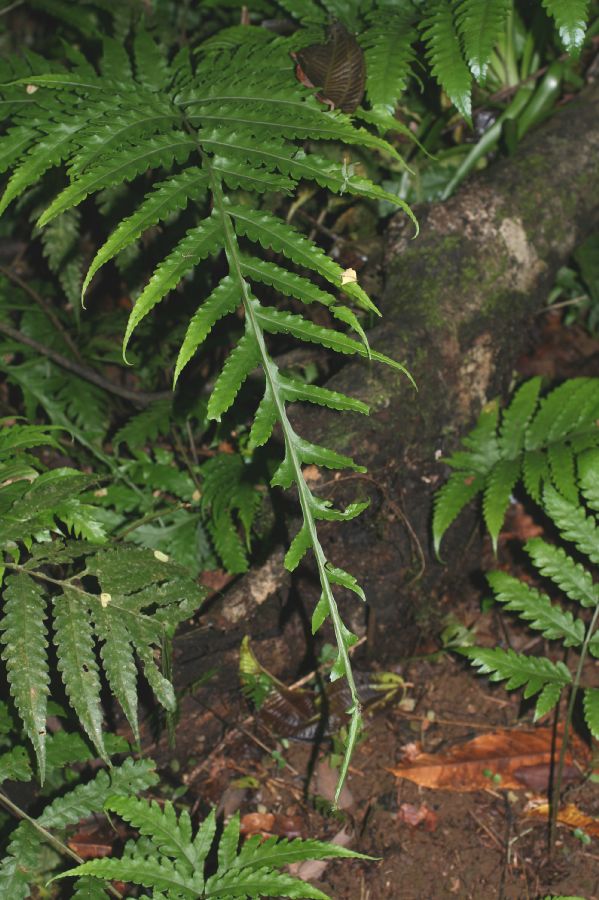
457, 306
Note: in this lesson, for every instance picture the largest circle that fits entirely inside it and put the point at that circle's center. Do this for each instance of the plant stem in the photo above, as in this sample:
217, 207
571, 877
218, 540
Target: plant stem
271, 373
557, 784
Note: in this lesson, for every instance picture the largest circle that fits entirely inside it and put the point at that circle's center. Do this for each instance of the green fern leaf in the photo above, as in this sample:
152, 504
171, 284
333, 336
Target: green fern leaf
155, 151
87, 888
517, 416
14, 144
535, 471
132, 777
571, 19
160, 874
48, 152
241, 361
498, 489
166, 197
445, 56
117, 661
572, 578
294, 390
588, 471
25, 642
573, 524
21, 862
198, 243
224, 299
480, 25
145, 427
517, 669
450, 500
170, 835
547, 700
151, 66
257, 883
591, 710
77, 663
552, 621
545, 424
388, 52
301, 543
312, 454
125, 126
265, 420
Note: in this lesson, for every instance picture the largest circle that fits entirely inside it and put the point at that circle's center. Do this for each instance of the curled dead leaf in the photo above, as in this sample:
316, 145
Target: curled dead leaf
496, 759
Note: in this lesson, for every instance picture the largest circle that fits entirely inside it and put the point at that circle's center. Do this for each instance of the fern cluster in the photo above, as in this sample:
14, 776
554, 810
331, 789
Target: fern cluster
459, 37
171, 859
126, 599
538, 675
534, 440
222, 132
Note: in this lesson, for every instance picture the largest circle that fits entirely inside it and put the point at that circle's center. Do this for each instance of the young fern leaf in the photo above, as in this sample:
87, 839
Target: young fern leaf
169, 858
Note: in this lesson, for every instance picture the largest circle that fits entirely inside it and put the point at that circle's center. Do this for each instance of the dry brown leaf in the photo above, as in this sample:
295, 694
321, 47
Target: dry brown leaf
570, 815
497, 759
256, 823
417, 815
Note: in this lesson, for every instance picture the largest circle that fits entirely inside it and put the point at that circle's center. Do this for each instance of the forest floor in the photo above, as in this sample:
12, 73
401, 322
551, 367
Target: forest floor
487, 840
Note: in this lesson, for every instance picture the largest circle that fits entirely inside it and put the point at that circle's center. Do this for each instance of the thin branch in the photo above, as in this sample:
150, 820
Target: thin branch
45, 307
47, 836
141, 398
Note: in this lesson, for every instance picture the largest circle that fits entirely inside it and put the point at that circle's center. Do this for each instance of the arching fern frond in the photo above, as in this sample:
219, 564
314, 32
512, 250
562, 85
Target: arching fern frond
444, 52
480, 23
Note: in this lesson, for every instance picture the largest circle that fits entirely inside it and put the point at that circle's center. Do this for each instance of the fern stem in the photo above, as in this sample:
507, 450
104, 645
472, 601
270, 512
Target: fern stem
271, 373
47, 836
557, 785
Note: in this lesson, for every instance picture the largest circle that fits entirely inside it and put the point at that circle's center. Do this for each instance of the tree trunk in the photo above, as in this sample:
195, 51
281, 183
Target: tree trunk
457, 307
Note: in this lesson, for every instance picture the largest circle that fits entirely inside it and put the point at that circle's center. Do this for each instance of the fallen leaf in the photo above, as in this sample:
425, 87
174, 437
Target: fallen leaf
496, 759
570, 815
417, 815
257, 823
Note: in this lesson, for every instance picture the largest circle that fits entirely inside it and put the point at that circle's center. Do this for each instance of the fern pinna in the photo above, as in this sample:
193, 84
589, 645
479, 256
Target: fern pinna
171, 860
223, 133
538, 675
534, 440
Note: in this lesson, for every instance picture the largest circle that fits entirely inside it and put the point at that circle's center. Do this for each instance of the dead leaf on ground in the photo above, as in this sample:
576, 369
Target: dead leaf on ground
271, 823
417, 815
497, 759
570, 815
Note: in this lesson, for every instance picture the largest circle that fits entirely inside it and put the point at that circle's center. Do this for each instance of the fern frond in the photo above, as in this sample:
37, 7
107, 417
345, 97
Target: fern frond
25, 641
77, 663
166, 197
516, 417
498, 489
517, 669
588, 473
224, 300
591, 710
573, 524
159, 150
445, 56
571, 577
388, 52
551, 620
480, 25
241, 361
198, 243
451, 499
166, 858
571, 19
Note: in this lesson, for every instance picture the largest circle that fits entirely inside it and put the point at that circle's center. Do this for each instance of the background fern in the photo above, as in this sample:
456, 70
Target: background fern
535, 440
170, 859
138, 600
538, 675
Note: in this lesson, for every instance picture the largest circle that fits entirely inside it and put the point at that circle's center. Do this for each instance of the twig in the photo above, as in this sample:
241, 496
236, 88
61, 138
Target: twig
45, 307
141, 398
486, 829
